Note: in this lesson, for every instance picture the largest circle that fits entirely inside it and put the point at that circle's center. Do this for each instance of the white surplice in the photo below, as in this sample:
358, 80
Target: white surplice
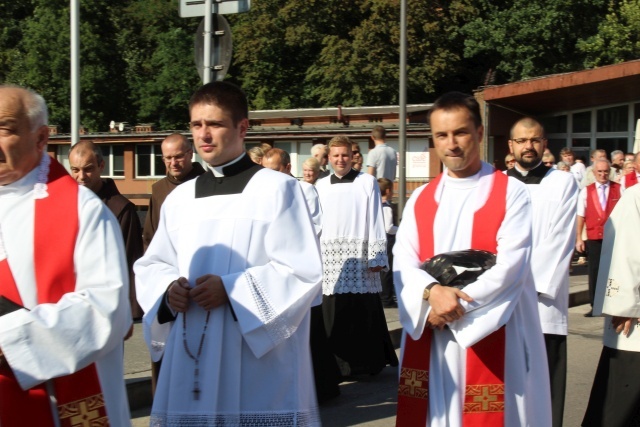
353, 237
313, 203
618, 286
554, 203
257, 370
85, 326
503, 295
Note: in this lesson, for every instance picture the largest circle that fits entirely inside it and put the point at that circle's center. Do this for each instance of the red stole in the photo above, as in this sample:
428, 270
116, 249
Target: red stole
630, 179
79, 397
484, 390
595, 217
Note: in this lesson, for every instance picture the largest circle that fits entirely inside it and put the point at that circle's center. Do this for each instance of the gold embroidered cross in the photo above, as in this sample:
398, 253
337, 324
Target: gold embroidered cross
413, 382
485, 398
85, 416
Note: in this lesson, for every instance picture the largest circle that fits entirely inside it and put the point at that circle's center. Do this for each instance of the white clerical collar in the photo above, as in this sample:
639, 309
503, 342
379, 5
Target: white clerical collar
35, 180
218, 170
526, 172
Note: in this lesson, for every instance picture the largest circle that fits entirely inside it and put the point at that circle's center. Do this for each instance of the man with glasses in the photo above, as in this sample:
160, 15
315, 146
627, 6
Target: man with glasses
595, 203
176, 154
553, 200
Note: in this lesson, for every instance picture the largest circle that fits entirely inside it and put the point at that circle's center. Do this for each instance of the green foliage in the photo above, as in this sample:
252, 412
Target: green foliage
137, 60
618, 36
524, 39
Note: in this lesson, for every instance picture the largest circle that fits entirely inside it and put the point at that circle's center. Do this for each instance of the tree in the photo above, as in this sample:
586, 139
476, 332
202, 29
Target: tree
157, 46
523, 39
618, 36
44, 61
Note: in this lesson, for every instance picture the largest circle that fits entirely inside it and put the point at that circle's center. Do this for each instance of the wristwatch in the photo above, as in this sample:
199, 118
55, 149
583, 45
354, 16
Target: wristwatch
427, 291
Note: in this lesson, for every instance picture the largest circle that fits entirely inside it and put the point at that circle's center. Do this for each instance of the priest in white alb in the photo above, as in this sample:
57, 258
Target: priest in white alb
63, 284
227, 284
554, 196
615, 395
472, 357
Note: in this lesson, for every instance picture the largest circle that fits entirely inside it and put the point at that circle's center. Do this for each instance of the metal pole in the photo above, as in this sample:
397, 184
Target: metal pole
75, 71
402, 131
206, 63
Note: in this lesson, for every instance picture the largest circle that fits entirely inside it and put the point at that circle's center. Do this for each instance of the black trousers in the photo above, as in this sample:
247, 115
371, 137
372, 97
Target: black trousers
557, 358
594, 247
615, 395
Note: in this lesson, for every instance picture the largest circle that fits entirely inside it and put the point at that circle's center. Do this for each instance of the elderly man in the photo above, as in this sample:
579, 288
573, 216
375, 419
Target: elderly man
595, 203
472, 357
615, 395
354, 251
382, 160
176, 154
630, 179
589, 174
553, 200
226, 302
86, 164
63, 272
321, 153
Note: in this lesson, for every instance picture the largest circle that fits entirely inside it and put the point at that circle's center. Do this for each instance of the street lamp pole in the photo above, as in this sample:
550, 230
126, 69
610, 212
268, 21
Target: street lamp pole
402, 113
75, 71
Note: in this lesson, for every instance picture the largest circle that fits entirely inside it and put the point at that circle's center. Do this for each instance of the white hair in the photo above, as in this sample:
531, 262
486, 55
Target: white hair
36, 106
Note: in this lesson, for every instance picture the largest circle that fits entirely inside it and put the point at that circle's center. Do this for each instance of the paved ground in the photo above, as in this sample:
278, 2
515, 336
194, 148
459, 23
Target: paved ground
371, 401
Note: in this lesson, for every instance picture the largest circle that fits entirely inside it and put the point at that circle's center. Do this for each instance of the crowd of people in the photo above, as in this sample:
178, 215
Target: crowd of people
260, 293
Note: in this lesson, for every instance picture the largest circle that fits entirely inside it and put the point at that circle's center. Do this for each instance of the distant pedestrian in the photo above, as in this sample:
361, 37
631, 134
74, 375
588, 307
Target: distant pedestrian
382, 160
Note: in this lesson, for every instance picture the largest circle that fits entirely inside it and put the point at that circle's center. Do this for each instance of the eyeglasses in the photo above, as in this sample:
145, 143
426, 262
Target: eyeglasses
534, 141
356, 151
548, 163
511, 161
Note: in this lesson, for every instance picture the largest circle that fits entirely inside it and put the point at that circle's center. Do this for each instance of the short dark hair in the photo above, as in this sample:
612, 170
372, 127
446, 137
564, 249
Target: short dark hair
456, 100
225, 95
385, 184
378, 132
566, 150
285, 159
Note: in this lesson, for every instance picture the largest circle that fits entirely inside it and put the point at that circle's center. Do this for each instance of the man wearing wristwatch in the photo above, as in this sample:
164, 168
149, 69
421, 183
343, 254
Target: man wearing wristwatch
474, 356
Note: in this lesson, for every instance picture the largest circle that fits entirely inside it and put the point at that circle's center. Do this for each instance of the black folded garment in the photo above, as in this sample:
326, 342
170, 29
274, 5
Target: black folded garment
459, 268
7, 306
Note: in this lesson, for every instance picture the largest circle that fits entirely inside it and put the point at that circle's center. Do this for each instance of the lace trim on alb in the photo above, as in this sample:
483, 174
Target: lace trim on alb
346, 264
275, 325
40, 187
256, 419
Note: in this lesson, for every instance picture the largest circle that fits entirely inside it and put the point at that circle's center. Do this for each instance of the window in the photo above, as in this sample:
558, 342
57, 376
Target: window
582, 122
614, 119
556, 124
149, 161
113, 155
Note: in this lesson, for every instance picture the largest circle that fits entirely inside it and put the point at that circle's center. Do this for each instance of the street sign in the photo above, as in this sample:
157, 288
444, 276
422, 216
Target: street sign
191, 8
221, 48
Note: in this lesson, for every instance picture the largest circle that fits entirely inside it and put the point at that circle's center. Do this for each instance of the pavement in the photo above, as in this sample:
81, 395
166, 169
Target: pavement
371, 400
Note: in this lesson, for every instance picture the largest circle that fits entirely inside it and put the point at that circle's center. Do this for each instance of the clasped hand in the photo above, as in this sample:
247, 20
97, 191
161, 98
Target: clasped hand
208, 293
445, 305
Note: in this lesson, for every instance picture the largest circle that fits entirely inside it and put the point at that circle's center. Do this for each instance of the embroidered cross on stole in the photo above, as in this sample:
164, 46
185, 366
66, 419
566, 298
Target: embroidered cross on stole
79, 397
484, 389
